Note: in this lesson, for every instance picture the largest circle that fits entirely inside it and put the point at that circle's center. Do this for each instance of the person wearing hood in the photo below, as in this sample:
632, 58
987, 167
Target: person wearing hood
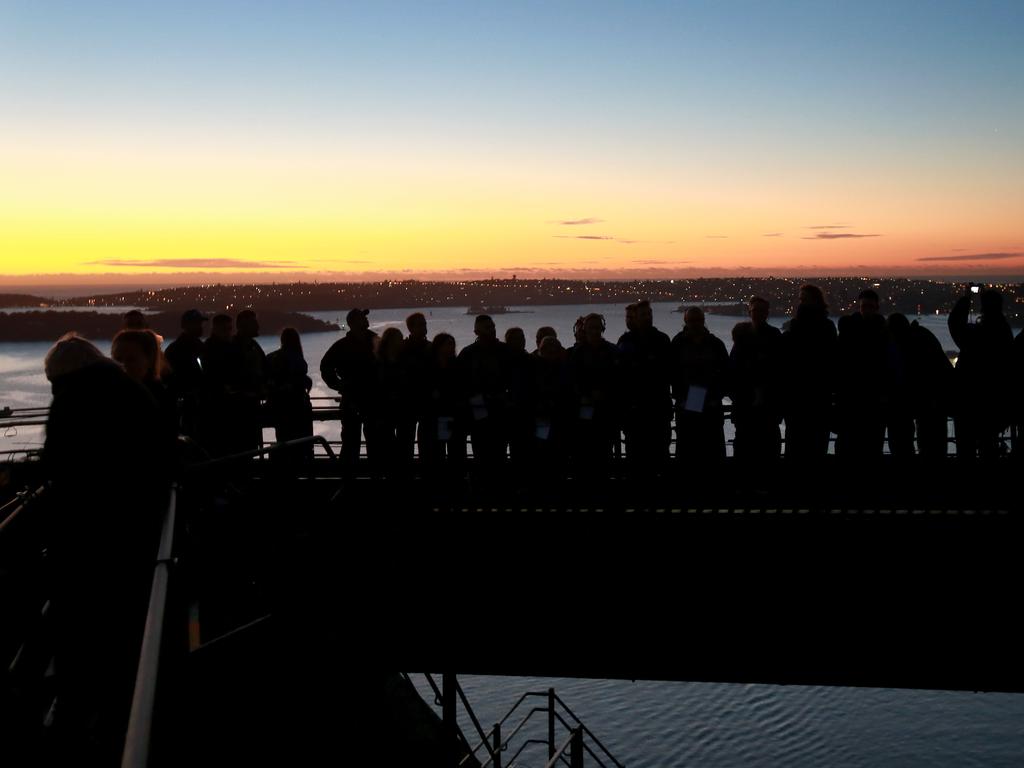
109, 464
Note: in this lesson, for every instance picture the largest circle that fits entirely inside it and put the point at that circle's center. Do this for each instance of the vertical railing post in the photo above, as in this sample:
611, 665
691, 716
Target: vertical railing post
576, 748
496, 744
551, 723
448, 718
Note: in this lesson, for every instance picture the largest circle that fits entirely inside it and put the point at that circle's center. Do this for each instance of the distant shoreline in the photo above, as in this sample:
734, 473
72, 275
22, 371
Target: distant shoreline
49, 325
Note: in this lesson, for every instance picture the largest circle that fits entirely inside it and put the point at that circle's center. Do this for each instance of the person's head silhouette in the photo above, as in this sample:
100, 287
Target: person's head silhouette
991, 302
389, 346
442, 348
758, 309
644, 315
484, 328
516, 339
247, 324
693, 319
543, 332
192, 323
869, 302
221, 327
416, 323
593, 328
138, 352
356, 320
551, 349
71, 353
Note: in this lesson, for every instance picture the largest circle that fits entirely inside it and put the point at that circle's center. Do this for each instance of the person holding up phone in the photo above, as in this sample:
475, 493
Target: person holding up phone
983, 380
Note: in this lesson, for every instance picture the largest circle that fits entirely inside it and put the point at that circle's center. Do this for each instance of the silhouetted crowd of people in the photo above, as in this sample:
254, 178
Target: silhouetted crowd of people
566, 406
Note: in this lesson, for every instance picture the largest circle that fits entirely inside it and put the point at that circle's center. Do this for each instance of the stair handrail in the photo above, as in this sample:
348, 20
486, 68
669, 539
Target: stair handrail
587, 731
139, 734
552, 697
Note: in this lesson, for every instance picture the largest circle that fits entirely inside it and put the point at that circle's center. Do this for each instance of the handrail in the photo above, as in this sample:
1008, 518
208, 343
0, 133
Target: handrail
552, 696
476, 723
587, 731
524, 745
573, 743
266, 449
586, 747
326, 413
139, 734
23, 500
506, 739
437, 691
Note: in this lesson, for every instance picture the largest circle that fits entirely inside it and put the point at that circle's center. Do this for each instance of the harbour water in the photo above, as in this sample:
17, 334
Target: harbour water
659, 724
647, 724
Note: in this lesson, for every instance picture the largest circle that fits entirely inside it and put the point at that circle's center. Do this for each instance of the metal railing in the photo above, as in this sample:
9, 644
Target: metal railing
10, 511
139, 735
266, 449
495, 742
574, 745
36, 417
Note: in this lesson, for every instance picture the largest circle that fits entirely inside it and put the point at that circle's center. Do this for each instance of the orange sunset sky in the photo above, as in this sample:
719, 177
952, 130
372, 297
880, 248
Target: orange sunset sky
311, 142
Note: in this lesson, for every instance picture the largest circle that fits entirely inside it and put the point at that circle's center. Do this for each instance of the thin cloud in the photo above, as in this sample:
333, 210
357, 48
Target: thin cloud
195, 263
836, 236
577, 222
585, 237
829, 226
772, 234
717, 237
633, 242
974, 257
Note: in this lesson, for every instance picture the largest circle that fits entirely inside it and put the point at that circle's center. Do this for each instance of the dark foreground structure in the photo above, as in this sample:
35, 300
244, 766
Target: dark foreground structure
281, 601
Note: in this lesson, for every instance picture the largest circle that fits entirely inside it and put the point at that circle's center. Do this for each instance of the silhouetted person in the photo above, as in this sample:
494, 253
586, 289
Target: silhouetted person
699, 380
134, 320
185, 377
250, 382
520, 399
921, 391
756, 411
1017, 401
415, 361
542, 333
349, 367
645, 354
485, 374
107, 458
864, 381
577, 329
288, 385
443, 429
220, 362
138, 352
390, 404
807, 373
983, 377
552, 416
594, 370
